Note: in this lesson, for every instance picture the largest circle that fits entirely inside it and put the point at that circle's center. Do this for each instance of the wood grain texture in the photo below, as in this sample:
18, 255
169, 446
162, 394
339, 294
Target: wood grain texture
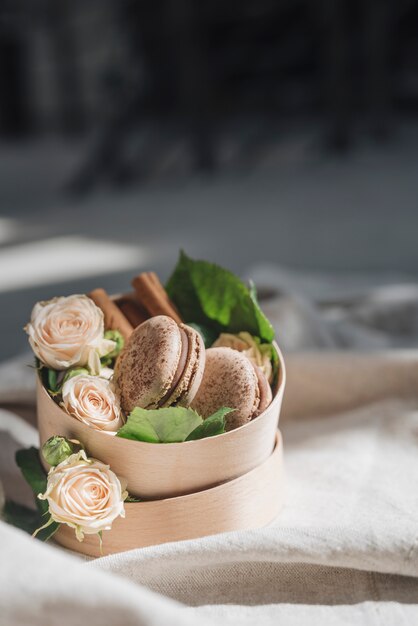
250, 501
167, 470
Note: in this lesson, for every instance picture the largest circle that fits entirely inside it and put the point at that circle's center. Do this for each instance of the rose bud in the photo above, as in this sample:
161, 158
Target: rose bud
117, 337
56, 449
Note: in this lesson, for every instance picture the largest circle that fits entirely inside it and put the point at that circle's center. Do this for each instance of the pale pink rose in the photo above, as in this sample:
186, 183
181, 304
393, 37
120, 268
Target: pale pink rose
68, 331
84, 494
258, 353
92, 400
106, 372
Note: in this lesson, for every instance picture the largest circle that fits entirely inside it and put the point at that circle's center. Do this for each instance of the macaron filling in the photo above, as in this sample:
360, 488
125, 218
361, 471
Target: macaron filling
265, 393
181, 367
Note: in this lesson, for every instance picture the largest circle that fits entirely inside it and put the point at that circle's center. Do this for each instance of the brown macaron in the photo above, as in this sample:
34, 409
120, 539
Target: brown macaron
266, 394
161, 365
231, 380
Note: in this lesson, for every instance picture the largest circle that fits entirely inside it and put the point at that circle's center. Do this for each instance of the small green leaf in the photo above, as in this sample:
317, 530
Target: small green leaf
132, 499
167, 425
213, 425
275, 362
52, 380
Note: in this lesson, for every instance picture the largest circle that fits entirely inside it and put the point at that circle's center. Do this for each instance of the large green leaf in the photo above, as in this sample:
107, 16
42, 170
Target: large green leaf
209, 335
209, 295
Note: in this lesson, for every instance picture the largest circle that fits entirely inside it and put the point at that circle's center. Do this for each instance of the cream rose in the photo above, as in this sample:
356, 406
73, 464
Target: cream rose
106, 372
84, 494
68, 331
92, 400
258, 353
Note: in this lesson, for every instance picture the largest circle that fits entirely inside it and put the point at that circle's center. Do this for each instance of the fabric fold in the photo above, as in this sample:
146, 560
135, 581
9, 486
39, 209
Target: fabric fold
345, 547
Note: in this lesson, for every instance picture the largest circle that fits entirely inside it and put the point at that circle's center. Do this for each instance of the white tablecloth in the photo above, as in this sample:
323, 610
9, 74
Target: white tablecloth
343, 551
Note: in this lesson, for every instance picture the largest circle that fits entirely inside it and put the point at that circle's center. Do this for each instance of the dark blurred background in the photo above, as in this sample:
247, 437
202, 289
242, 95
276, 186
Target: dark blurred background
276, 131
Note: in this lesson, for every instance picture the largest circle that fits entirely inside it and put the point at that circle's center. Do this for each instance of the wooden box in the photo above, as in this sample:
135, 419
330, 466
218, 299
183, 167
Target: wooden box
249, 501
157, 471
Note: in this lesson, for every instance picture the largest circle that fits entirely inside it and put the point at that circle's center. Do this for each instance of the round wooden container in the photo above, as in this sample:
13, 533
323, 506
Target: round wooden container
165, 470
250, 501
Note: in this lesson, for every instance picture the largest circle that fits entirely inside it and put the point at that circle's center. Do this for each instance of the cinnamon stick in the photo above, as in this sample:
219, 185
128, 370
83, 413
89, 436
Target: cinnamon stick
152, 295
134, 312
113, 317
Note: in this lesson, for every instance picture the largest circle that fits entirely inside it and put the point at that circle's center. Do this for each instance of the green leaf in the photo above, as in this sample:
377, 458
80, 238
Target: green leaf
208, 334
132, 499
29, 519
209, 295
52, 380
174, 424
118, 338
211, 426
22, 516
168, 425
31, 467
29, 462
276, 365
47, 531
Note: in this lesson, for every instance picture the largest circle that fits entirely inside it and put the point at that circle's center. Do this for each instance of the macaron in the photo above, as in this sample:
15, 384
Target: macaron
266, 395
231, 380
161, 365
